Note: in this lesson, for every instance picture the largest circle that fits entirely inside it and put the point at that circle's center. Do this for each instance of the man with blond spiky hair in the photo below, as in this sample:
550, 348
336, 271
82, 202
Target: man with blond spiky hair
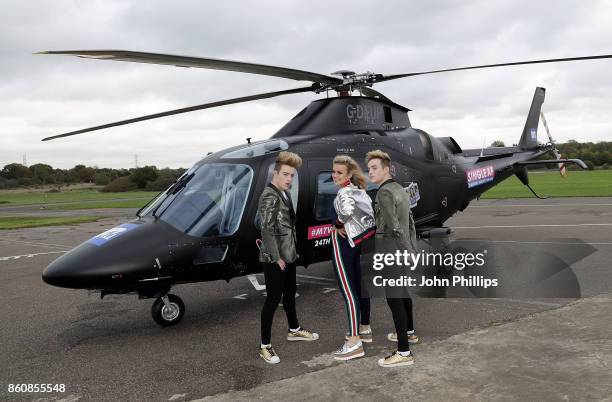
278, 253
394, 227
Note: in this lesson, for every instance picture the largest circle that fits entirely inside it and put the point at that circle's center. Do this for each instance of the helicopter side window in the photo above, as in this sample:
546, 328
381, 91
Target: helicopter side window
293, 191
326, 192
212, 203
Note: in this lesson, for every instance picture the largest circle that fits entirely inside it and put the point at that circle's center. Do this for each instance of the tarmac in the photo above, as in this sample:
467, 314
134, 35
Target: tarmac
539, 346
557, 355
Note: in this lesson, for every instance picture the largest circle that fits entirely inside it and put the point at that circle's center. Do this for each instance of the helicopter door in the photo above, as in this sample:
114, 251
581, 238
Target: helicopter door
318, 217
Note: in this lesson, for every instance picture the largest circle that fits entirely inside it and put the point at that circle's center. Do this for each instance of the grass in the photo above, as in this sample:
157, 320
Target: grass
592, 183
131, 199
18, 222
136, 203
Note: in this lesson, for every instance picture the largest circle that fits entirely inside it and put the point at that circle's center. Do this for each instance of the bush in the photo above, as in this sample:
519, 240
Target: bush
119, 185
160, 184
10, 183
141, 176
101, 179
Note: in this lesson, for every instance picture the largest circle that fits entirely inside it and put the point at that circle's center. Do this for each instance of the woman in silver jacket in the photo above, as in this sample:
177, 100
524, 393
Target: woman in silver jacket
353, 223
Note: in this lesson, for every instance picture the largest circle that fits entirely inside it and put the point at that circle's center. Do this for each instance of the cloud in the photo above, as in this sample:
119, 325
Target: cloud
45, 95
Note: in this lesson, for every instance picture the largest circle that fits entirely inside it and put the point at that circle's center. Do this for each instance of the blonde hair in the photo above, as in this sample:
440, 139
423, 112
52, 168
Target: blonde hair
289, 159
353, 168
385, 160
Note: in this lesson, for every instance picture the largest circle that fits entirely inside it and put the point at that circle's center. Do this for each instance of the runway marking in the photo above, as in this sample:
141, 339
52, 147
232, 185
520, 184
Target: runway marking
16, 257
531, 226
534, 302
540, 205
536, 242
319, 278
253, 279
488, 300
35, 243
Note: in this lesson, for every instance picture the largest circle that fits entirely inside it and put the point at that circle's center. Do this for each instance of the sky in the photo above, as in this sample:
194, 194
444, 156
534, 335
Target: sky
44, 95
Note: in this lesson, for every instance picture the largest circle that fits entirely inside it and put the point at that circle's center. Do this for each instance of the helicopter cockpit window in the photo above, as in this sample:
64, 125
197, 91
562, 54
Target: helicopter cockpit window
211, 203
326, 192
257, 149
293, 191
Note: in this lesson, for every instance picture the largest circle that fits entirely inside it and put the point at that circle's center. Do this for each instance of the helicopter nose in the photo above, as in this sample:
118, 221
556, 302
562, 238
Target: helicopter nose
118, 257
55, 275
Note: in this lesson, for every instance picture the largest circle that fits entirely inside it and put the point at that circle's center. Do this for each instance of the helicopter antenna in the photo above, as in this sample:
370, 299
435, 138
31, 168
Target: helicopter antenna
483, 146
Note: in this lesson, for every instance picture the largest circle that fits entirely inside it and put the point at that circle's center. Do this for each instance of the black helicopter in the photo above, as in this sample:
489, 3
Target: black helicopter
205, 226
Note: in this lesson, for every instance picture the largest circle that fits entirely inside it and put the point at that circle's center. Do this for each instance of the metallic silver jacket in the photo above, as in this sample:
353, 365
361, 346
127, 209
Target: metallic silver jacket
354, 208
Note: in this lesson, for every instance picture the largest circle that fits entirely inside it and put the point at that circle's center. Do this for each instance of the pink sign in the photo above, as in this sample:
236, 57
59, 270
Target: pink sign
316, 232
478, 176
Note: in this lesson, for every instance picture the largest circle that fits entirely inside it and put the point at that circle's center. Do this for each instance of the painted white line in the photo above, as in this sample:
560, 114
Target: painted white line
540, 205
319, 278
241, 297
329, 290
16, 257
253, 279
535, 242
534, 302
531, 226
35, 243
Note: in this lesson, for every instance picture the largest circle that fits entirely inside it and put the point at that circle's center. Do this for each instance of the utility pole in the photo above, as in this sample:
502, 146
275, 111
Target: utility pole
136, 161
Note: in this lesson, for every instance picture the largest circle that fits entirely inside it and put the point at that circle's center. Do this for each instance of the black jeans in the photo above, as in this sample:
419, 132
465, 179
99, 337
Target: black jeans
401, 309
279, 284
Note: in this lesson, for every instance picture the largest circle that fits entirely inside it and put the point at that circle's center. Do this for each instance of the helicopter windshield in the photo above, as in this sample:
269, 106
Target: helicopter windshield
210, 203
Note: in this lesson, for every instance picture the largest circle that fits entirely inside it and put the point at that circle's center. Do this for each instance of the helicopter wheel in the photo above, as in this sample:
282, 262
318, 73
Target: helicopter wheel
168, 310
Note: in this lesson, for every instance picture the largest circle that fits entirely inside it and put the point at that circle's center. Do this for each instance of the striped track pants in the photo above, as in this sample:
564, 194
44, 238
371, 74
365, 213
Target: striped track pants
346, 258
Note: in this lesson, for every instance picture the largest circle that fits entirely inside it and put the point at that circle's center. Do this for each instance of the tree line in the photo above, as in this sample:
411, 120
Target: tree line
594, 154
16, 175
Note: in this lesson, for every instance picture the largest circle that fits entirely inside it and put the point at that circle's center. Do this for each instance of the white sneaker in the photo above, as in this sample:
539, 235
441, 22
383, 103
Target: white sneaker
412, 337
269, 355
347, 352
302, 335
365, 336
396, 360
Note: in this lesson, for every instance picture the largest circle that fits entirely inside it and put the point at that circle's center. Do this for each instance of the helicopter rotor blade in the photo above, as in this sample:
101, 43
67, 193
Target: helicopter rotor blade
516, 63
199, 62
189, 109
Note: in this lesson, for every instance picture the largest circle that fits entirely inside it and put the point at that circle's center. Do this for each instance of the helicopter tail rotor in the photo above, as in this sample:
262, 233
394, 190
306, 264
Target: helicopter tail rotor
555, 151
